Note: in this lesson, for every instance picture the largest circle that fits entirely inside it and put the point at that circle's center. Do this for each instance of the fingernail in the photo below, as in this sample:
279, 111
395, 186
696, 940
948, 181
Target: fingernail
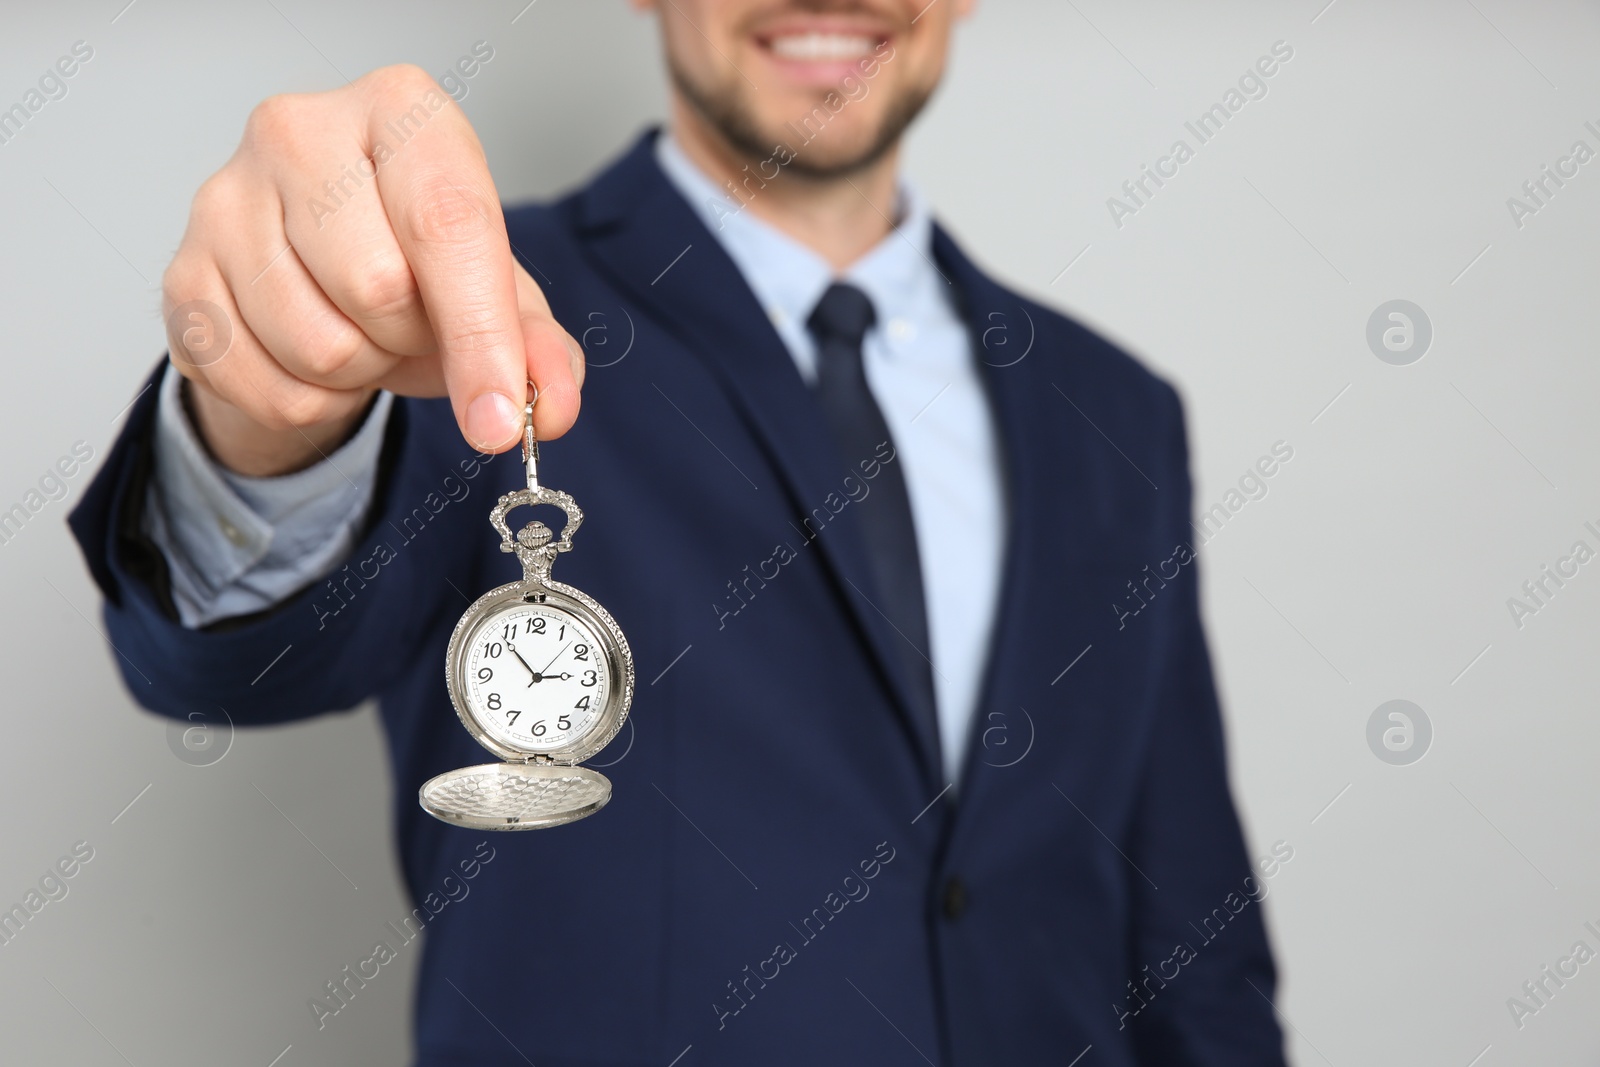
575, 361
492, 421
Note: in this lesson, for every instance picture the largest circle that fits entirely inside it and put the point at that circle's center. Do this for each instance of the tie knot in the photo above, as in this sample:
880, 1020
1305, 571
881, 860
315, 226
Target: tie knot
843, 314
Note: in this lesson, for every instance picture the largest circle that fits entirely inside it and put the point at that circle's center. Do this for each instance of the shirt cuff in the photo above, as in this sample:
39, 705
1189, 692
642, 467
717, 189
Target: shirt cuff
236, 544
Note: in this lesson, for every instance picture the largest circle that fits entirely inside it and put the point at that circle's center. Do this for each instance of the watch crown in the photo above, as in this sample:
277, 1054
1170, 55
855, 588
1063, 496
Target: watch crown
534, 535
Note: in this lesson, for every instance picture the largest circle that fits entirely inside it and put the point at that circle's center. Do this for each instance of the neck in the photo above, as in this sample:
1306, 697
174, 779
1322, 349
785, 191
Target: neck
840, 218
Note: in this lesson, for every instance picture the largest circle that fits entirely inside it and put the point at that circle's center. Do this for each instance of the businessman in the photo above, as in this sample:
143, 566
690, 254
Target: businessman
925, 764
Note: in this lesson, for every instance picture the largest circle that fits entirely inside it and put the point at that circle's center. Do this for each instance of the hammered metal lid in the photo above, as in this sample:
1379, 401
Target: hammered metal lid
514, 796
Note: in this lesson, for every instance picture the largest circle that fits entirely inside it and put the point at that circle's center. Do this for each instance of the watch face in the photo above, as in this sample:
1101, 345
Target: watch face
537, 678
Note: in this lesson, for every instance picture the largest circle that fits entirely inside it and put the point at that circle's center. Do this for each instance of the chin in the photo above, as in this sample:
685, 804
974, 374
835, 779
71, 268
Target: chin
820, 131
835, 143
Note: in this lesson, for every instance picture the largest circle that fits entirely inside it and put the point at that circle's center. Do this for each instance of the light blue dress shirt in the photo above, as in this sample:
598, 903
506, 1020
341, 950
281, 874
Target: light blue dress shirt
237, 544
234, 544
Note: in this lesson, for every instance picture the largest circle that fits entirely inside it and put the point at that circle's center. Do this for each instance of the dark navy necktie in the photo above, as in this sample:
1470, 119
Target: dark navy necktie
839, 322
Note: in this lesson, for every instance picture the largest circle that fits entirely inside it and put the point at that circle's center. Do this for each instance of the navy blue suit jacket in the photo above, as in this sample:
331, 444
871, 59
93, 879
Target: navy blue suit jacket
780, 877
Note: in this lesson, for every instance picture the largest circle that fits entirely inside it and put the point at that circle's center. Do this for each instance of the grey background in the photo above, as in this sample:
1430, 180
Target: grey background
1420, 897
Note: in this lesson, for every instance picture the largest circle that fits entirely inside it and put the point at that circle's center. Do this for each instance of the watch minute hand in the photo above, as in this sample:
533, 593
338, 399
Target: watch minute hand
524, 662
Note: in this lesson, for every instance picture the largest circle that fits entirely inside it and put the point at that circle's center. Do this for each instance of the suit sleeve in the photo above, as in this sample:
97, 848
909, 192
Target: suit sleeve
326, 647
1199, 953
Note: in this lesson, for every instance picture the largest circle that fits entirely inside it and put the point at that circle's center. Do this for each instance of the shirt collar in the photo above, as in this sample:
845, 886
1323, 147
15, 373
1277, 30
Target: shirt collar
787, 277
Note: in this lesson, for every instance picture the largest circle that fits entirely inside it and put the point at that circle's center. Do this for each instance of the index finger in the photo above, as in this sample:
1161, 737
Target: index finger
441, 203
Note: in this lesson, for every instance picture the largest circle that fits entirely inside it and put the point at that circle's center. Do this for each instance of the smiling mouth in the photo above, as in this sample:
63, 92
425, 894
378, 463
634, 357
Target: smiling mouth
819, 47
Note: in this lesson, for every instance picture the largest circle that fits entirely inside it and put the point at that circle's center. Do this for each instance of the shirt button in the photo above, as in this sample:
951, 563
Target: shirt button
955, 899
901, 329
235, 536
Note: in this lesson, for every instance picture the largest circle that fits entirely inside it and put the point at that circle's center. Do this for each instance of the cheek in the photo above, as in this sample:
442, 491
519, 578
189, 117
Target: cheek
685, 27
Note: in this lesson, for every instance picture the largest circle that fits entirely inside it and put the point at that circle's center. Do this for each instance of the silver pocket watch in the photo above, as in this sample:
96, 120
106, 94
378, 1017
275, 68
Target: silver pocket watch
540, 674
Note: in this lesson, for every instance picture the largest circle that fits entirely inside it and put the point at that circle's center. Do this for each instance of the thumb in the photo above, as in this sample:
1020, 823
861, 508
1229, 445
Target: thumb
555, 361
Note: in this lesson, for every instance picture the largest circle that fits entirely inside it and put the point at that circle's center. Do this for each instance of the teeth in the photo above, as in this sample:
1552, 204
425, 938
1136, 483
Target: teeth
821, 46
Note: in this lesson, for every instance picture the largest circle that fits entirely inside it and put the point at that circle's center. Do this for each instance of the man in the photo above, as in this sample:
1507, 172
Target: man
898, 787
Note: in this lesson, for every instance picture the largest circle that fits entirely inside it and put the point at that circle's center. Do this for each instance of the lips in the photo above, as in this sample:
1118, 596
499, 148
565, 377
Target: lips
816, 52
822, 47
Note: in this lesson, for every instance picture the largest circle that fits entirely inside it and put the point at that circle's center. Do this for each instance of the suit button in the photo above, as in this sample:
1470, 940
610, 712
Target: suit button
955, 899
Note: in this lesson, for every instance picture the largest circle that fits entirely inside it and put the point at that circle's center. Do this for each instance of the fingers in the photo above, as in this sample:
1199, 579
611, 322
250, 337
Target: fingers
245, 374
282, 308
295, 321
554, 360
417, 376
317, 153
442, 207
356, 241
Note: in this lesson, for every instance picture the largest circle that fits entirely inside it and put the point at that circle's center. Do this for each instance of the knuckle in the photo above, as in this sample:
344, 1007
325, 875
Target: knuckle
328, 346
304, 407
184, 279
216, 200
400, 79
442, 213
275, 120
384, 288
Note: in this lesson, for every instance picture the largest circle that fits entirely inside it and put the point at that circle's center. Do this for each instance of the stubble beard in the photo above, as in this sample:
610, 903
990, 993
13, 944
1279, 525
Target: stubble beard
725, 111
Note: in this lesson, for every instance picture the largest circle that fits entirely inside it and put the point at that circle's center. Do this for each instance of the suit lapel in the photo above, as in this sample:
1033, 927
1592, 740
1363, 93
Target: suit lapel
655, 248
1044, 536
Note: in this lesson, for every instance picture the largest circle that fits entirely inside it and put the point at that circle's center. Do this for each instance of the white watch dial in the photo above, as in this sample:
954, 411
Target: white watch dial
537, 678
